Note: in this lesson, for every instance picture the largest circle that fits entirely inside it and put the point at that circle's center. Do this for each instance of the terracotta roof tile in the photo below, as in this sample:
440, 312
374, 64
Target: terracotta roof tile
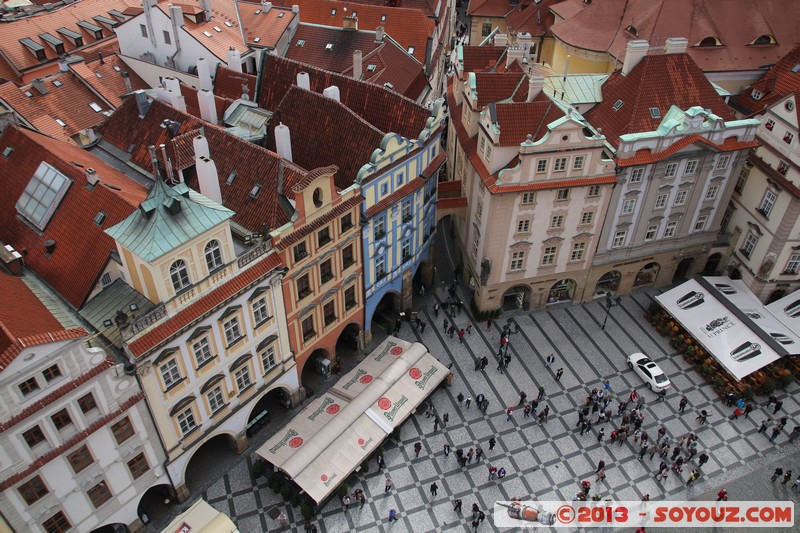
480, 58
223, 14
658, 81
268, 27
337, 58
551, 184
396, 67
104, 77
426, 6
469, 145
776, 83
193, 105
644, 157
497, 86
228, 83
307, 229
518, 120
82, 248
22, 314
532, 17
413, 185
488, 8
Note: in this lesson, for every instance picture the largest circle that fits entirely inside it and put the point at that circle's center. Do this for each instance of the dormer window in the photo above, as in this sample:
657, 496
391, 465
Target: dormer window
179, 274
213, 256
617, 105
710, 41
764, 39
756, 94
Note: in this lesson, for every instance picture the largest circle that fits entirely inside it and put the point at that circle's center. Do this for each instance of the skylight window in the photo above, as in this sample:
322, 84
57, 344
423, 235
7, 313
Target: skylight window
300, 42
411, 49
217, 29
618, 104
329, 47
98, 75
61, 123
206, 34
371, 68
353, 14
231, 177
41, 197
99, 217
257, 40
258, 11
29, 94
256, 189
383, 18
655, 112
281, 14
116, 68
8, 151
333, 12
96, 108
228, 24
57, 83
796, 68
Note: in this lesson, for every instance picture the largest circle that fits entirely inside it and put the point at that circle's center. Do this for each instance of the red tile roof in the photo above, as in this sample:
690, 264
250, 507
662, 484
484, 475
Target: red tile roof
82, 248
488, 8
480, 58
518, 120
104, 77
550, 184
601, 26
68, 102
396, 67
776, 83
268, 26
658, 81
199, 309
532, 17
497, 86
193, 105
413, 185
228, 83
426, 6
307, 229
644, 157
384, 109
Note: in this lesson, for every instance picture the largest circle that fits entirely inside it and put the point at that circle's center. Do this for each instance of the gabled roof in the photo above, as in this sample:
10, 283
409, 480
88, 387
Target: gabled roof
498, 86
518, 120
531, 16
782, 79
228, 83
603, 27
657, 81
105, 77
481, 58
218, 34
82, 249
385, 110
488, 8
170, 217
268, 26
67, 100
408, 25
395, 68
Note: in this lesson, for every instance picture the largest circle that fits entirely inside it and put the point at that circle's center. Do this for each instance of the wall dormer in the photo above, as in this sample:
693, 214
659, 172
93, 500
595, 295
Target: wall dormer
314, 193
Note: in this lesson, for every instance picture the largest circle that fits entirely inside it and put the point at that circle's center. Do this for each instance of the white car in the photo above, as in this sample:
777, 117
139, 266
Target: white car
653, 376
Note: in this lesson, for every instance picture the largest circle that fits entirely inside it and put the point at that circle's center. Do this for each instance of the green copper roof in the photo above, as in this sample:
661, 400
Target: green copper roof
169, 217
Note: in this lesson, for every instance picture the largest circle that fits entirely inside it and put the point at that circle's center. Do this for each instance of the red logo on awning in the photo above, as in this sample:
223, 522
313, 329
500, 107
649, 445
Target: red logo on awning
415, 373
366, 379
385, 403
296, 442
324, 477
361, 442
397, 350
333, 409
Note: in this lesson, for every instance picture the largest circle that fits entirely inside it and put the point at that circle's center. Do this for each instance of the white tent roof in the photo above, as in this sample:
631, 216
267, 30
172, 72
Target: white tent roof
787, 310
335, 433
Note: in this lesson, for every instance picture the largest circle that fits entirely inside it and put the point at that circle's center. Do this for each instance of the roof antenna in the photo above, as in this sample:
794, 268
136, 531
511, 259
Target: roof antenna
154, 160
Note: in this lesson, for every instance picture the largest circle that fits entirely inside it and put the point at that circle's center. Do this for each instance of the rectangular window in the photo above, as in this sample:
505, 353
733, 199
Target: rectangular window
628, 206
722, 162
559, 164
303, 288
549, 255
594, 191
793, 264
80, 459
326, 271
28, 386
405, 250
769, 124
202, 351
51, 373
33, 436
216, 400
788, 137
33, 490
406, 210
61, 419
170, 373
578, 250
260, 311
323, 237
742, 180
669, 230
329, 313
232, 331
619, 238
726, 218
186, 421
749, 244
486, 29
350, 298
636, 175
700, 223
541, 166
122, 430
87, 403
346, 222
489, 152
524, 226
143, 30
651, 233
670, 170
268, 360
680, 198
691, 167
300, 251
347, 256
41, 197
479, 210
57, 523
380, 267
138, 466
562, 194
528, 198
517, 260
711, 193
587, 217
557, 221
167, 38
661, 200
767, 203
476, 245
577, 163
308, 328
99, 494
379, 228
783, 168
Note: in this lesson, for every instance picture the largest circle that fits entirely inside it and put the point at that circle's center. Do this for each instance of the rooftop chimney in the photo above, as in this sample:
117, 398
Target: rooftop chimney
379, 33
514, 53
38, 84
676, 45
331, 92
350, 22
172, 84
203, 74
205, 5
126, 78
143, 102
91, 177
295, 8
283, 141
266, 6
500, 39
208, 109
178, 101
200, 145
303, 81
357, 65
12, 259
234, 60
535, 86
208, 179
634, 53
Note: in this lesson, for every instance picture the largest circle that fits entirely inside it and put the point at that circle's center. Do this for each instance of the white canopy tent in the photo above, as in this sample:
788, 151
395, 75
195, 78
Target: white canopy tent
336, 432
787, 310
727, 319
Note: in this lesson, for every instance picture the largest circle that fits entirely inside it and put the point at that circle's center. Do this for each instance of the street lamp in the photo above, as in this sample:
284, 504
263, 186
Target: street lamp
609, 304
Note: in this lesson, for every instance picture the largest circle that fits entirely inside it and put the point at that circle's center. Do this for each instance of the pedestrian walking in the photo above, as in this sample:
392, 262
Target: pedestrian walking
541, 393
436, 423
747, 410
600, 465
600, 435
722, 495
457, 505
783, 422
417, 449
559, 373
381, 462
653, 450
586, 486
388, 484
763, 428
778, 406
478, 454
663, 466
436, 310
509, 412
392, 515
584, 426
445, 323
702, 459
550, 360
775, 432
492, 443
642, 451
445, 419
434, 488
522, 398
661, 432
469, 329
778, 473
460, 398
601, 475
702, 417
682, 404
492, 472
663, 475
346, 502
786, 477
470, 455
794, 434
695, 473
468, 401
461, 333
736, 414
484, 362
446, 450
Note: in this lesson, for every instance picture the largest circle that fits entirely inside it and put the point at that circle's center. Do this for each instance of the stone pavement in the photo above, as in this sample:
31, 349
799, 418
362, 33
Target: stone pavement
545, 461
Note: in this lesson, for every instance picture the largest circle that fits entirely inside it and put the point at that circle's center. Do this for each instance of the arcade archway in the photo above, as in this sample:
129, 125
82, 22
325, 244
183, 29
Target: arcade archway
517, 297
712, 263
776, 295
562, 291
156, 503
209, 461
647, 275
608, 282
683, 269
385, 314
317, 368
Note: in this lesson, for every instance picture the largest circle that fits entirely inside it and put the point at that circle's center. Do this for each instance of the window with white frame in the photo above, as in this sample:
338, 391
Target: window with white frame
483, 144
711, 193
216, 400
750, 243
587, 217
562, 194
379, 228
524, 226
594, 191
268, 360
577, 163
619, 238
170, 373
179, 274
793, 264
669, 230
767, 203
783, 168
661, 200
549, 255
380, 267
488, 152
559, 164
243, 378
528, 198
756, 94
670, 170
722, 162
186, 421
769, 124
578, 251
691, 167
652, 231
541, 166
742, 180
628, 205
213, 255
636, 175
260, 311
202, 351
232, 330
517, 260
788, 137
41, 197
700, 223
680, 198
557, 221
